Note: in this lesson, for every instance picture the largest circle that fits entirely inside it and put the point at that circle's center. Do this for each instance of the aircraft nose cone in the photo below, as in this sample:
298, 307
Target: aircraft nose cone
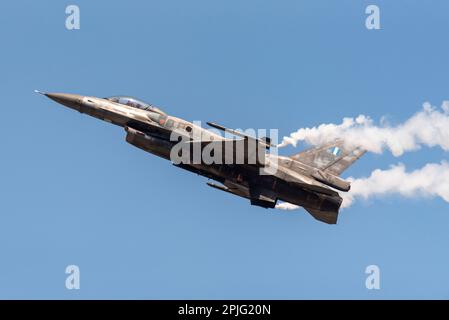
69, 100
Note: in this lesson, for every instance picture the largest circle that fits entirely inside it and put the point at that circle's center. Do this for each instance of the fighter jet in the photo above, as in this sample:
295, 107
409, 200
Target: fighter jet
309, 178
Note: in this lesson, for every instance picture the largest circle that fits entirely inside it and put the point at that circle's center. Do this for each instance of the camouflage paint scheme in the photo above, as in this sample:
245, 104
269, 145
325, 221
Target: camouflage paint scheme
306, 179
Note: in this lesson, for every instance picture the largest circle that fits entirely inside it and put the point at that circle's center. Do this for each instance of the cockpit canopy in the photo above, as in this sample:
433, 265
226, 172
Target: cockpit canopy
132, 102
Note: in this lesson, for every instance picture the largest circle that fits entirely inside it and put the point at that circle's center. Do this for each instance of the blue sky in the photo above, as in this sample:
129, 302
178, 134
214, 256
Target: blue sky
74, 192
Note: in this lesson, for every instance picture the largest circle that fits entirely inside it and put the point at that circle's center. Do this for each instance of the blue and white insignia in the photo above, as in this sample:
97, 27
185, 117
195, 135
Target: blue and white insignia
335, 151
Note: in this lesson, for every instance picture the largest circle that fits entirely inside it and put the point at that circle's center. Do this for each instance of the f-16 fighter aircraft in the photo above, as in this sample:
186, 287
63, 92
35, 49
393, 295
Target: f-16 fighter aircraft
308, 179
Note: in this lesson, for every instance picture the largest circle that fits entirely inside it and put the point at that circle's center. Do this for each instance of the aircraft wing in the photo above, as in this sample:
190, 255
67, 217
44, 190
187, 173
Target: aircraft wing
332, 157
230, 151
247, 150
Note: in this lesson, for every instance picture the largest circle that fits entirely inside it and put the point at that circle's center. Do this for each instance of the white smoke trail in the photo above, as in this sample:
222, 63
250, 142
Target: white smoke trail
428, 127
432, 180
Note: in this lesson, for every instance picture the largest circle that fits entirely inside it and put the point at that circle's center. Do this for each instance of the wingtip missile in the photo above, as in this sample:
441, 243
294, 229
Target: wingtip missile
265, 140
217, 126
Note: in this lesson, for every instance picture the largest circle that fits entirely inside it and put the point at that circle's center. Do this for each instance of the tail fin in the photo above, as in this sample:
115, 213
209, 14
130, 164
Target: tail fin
332, 157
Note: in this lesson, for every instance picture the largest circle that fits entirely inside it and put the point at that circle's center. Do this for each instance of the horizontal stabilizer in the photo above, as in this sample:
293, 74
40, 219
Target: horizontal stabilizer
329, 217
